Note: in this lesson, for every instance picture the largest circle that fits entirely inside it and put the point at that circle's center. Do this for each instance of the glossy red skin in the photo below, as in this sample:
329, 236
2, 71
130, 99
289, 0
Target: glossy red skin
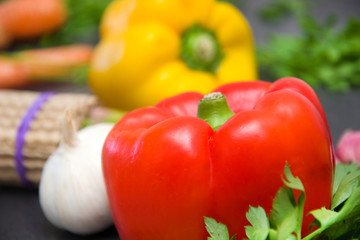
165, 169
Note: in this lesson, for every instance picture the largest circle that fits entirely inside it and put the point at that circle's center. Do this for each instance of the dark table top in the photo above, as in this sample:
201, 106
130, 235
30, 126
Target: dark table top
21, 216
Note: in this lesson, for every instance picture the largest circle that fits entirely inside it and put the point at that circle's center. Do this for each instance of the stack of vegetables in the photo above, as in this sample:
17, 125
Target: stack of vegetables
203, 138
67, 29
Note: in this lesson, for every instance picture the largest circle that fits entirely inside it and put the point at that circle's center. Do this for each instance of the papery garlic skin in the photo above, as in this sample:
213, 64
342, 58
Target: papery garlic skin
72, 190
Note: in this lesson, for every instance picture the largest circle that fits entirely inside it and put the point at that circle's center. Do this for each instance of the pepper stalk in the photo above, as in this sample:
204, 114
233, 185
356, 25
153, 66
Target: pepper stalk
214, 109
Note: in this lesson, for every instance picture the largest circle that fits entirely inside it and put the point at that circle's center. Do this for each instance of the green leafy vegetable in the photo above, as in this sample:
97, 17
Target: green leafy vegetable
217, 231
82, 23
342, 221
260, 224
322, 55
344, 218
344, 182
286, 214
277, 11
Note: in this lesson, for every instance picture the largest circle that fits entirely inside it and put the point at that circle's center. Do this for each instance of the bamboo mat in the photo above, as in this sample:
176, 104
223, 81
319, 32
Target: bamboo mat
43, 134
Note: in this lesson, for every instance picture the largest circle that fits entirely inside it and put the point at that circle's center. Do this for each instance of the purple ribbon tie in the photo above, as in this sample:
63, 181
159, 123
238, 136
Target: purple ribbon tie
22, 129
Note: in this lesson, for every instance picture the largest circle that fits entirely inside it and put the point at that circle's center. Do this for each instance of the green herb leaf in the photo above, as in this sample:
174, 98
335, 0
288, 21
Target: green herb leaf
324, 216
285, 216
345, 188
341, 170
217, 230
321, 54
275, 11
343, 220
291, 181
340, 222
260, 224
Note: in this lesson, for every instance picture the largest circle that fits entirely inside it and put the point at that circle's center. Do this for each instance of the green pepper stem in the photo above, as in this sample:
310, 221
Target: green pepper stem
200, 49
214, 109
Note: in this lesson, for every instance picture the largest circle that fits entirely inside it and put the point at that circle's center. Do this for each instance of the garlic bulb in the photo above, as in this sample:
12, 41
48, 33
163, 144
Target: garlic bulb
72, 190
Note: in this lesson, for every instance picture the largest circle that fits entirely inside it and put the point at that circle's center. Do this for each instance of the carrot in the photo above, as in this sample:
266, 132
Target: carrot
43, 64
5, 39
55, 62
24, 19
12, 74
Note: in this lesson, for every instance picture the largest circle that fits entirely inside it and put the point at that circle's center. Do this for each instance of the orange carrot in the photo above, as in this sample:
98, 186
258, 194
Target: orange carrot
42, 64
12, 74
23, 19
55, 62
5, 39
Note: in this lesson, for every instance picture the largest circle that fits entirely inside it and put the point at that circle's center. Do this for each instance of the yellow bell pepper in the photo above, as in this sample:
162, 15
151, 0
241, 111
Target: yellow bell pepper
154, 49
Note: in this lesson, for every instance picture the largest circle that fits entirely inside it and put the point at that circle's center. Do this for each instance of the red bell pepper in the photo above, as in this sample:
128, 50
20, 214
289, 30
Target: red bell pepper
165, 168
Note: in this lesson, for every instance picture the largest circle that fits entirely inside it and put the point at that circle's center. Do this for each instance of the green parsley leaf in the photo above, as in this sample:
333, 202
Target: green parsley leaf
260, 224
346, 187
322, 55
286, 215
341, 170
291, 181
276, 11
217, 230
334, 225
343, 221
340, 222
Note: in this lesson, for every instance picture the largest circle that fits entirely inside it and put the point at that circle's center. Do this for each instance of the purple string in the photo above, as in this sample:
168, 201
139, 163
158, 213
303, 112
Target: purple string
23, 128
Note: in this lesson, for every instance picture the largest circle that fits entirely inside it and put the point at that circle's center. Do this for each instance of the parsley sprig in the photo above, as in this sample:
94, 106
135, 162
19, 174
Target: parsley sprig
323, 54
342, 221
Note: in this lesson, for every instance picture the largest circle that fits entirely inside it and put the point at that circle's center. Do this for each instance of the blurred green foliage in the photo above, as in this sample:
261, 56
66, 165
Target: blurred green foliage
321, 54
81, 26
277, 11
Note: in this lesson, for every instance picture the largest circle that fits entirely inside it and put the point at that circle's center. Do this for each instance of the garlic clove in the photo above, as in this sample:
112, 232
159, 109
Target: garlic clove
69, 135
72, 191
